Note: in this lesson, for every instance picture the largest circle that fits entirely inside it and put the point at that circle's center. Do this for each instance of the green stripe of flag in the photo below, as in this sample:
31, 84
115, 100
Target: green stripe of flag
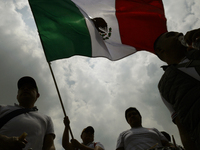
62, 29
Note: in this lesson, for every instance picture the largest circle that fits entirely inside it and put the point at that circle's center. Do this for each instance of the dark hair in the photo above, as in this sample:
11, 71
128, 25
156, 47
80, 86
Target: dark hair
166, 135
155, 43
88, 129
130, 109
155, 46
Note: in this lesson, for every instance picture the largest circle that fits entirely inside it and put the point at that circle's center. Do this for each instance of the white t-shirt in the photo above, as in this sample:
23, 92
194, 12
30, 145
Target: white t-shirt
190, 71
36, 125
93, 144
140, 138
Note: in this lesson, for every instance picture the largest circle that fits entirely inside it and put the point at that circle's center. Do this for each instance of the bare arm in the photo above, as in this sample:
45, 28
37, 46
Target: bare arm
48, 142
65, 139
74, 143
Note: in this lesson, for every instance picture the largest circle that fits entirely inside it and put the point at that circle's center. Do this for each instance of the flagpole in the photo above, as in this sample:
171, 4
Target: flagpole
61, 102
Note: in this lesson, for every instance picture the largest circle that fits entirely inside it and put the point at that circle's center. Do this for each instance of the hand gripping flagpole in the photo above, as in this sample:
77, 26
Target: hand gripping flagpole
61, 102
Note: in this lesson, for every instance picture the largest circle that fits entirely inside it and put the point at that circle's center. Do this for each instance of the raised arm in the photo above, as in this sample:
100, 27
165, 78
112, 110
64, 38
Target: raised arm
65, 139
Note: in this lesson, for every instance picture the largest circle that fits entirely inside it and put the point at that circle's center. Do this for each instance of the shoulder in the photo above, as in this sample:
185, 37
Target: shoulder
159, 133
154, 129
123, 134
41, 115
2, 106
5, 109
45, 122
99, 144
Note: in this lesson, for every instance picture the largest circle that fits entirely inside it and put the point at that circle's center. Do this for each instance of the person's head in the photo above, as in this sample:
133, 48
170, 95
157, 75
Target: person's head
133, 117
87, 135
168, 47
27, 92
166, 135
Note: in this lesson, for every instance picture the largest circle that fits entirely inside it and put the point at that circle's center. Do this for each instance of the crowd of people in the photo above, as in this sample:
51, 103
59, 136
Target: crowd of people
23, 127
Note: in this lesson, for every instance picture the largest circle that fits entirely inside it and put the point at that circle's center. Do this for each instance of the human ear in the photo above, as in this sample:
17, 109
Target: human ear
38, 95
17, 94
158, 50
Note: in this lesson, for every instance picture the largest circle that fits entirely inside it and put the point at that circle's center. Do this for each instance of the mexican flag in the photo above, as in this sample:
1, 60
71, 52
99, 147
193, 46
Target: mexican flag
97, 28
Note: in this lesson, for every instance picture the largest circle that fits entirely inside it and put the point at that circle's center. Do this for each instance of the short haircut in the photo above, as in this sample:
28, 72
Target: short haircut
155, 46
130, 109
166, 135
88, 129
155, 43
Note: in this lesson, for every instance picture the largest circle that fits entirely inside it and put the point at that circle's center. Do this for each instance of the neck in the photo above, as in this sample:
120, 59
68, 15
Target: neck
175, 61
27, 102
26, 105
86, 143
136, 126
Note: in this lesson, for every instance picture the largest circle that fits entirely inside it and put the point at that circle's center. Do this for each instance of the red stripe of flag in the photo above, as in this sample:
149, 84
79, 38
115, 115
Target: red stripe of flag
140, 19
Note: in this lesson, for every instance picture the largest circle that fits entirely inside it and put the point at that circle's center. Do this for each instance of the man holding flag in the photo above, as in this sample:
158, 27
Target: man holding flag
87, 137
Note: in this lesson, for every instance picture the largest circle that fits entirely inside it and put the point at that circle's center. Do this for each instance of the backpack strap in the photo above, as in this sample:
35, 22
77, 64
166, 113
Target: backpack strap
191, 63
9, 116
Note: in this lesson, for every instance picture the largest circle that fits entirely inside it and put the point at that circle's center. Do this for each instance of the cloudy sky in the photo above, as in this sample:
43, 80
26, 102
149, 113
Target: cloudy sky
95, 91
